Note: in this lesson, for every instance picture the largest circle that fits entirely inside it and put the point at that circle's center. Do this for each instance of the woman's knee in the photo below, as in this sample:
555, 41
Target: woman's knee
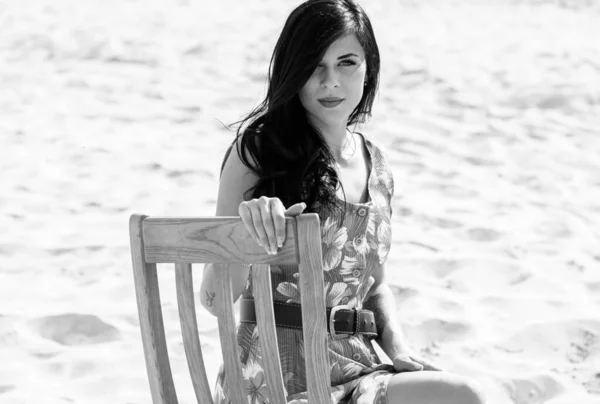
470, 391
434, 387
463, 390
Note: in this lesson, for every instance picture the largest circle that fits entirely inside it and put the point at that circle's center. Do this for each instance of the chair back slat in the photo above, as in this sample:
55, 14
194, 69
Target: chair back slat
314, 326
223, 241
151, 321
211, 240
228, 336
265, 319
189, 331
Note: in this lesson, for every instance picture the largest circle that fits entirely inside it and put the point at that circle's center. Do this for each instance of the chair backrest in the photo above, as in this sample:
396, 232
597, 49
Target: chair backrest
221, 241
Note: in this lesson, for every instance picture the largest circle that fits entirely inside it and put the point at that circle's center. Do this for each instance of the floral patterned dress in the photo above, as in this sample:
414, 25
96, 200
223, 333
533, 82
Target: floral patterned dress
350, 253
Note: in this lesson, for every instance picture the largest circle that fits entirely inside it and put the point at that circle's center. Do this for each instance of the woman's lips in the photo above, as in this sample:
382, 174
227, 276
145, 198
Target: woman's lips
331, 102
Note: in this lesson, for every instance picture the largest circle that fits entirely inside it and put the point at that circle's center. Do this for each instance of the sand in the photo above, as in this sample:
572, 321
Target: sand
489, 111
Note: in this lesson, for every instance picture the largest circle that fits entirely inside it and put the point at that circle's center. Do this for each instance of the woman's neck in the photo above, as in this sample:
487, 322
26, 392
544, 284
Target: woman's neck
342, 144
335, 137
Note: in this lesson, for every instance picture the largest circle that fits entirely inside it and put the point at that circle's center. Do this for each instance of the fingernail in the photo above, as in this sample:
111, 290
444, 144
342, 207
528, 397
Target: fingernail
259, 243
279, 242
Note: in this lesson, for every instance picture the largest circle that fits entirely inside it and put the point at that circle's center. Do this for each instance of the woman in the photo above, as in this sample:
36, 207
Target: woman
295, 152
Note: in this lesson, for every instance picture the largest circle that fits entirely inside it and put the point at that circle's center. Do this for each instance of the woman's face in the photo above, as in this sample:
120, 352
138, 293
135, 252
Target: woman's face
336, 86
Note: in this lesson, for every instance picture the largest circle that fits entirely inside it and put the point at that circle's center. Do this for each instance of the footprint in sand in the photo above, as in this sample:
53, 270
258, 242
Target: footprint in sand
456, 191
576, 341
75, 329
445, 266
536, 389
444, 330
483, 234
593, 288
546, 97
444, 223
70, 369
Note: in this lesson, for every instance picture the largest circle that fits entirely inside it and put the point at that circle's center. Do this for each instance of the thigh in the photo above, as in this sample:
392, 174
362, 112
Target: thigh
429, 387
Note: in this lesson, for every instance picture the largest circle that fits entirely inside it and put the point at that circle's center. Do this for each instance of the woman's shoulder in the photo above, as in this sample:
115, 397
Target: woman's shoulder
239, 153
384, 174
376, 148
237, 164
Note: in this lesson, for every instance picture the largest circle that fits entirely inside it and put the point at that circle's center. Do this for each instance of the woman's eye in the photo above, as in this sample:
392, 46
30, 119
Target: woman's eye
348, 63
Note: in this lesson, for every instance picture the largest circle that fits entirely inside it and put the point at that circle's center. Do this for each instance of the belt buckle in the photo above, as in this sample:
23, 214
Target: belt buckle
332, 332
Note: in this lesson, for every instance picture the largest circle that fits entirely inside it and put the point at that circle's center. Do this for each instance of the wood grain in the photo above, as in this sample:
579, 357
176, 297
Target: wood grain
263, 298
189, 331
222, 241
228, 335
211, 239
151, 321
314, 324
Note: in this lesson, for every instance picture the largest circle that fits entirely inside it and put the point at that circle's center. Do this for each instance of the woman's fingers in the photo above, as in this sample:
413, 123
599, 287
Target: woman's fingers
279, 213
245, 213
426, 364
409, 363
403, 363
255, 225
268, 225
263, 223
295, 209
265, 220
278, 216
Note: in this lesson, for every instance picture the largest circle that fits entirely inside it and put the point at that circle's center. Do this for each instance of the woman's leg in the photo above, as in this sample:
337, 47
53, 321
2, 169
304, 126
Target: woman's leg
429, 387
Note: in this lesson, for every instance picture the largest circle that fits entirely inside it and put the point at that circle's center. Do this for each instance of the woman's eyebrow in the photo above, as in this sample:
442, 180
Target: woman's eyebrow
346, 55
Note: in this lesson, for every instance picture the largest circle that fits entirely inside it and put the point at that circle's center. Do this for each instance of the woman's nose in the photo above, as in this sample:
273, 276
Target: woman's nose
329, 79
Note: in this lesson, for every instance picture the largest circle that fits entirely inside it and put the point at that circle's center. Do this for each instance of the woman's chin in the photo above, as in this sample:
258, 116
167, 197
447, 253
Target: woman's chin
330, 120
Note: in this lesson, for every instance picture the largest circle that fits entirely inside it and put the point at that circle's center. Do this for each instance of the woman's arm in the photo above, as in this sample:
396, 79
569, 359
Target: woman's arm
380, 300
264, 219
236, 178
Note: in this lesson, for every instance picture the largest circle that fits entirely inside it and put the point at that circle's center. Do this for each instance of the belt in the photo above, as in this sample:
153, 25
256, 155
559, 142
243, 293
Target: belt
342, 321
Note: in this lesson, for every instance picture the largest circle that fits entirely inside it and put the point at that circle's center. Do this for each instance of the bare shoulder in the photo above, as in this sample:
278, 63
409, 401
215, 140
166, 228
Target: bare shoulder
236, 179
374, 144
380, 156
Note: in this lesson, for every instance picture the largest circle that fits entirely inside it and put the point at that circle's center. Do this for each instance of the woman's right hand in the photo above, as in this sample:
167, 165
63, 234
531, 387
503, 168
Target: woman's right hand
265, 220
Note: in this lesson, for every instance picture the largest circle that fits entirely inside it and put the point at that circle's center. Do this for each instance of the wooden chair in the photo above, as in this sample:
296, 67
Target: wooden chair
222, 240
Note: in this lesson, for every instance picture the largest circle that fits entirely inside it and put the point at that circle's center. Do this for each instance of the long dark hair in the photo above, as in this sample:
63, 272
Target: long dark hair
277, 142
